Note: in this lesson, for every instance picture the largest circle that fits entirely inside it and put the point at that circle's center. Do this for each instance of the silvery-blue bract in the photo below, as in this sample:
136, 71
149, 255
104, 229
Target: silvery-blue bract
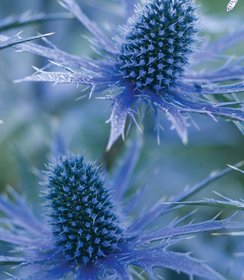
88, 230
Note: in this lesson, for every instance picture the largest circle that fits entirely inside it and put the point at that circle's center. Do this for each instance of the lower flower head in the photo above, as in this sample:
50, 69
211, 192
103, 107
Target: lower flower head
84, 239
83, 218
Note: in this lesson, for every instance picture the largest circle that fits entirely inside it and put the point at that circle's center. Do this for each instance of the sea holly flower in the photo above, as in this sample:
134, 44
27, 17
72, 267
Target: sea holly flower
88, 230
152, 61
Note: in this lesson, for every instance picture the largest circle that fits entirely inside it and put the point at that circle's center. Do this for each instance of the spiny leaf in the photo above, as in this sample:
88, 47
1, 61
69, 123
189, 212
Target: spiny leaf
15, 40
231, 204
162, 208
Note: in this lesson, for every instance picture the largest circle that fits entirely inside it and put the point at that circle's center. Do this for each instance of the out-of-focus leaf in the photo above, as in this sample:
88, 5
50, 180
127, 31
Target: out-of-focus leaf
25, 19
124, 172
11, 260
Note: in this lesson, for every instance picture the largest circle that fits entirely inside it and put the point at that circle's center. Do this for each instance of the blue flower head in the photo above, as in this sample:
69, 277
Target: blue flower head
89, 231
154, 61
83, 219
156, 44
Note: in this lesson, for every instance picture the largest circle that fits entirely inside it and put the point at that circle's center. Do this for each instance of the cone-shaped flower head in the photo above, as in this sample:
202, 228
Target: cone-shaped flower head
83, 219
157, 43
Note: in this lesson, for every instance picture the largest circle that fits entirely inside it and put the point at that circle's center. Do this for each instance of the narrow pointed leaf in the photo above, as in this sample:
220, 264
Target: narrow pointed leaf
230, 204
206, 226
124, 172
121, 108
160, 208
98, 34
176, 261
15, 40
173, 114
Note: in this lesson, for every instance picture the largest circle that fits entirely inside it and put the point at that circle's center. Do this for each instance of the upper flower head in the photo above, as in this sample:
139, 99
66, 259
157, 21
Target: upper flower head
153, 61
89, 231
156, 44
